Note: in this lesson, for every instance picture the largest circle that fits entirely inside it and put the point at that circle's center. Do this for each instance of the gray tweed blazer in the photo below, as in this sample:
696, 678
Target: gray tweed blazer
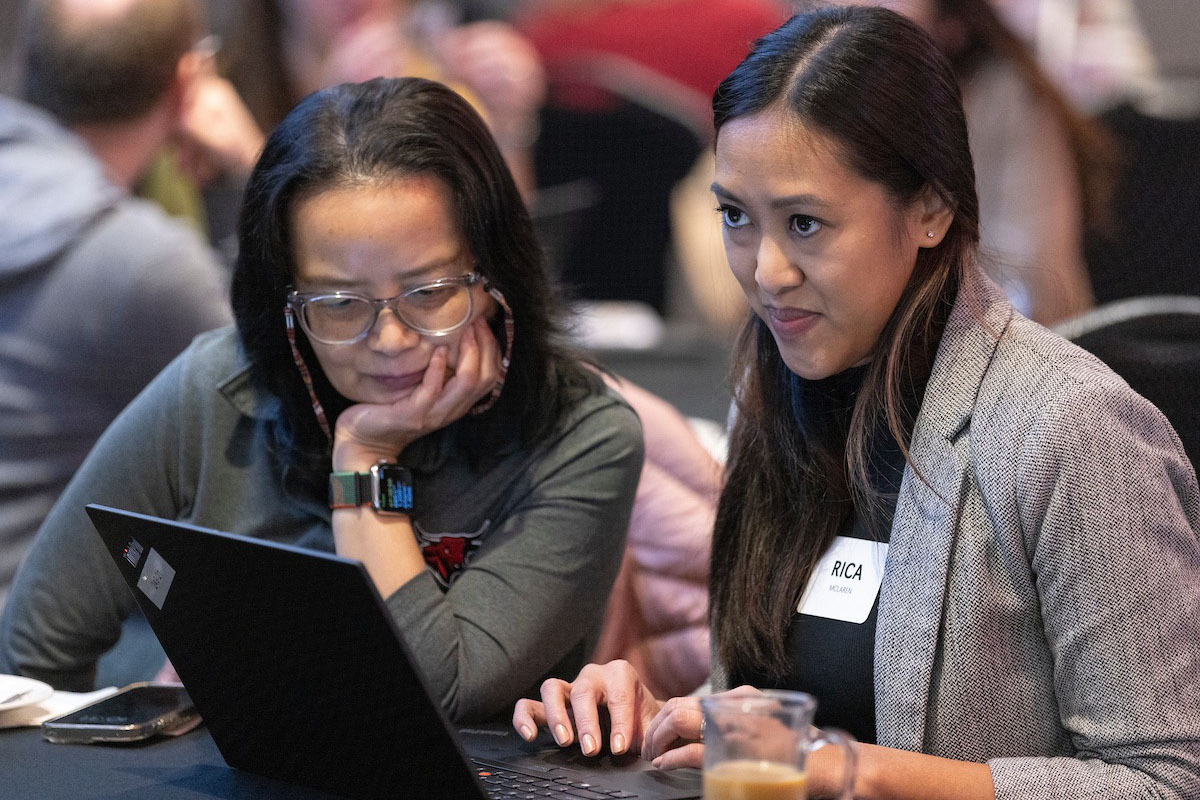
1040, 608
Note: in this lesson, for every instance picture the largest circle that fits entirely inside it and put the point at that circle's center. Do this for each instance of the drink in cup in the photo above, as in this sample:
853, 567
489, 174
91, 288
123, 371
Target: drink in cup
753, 780
756, 746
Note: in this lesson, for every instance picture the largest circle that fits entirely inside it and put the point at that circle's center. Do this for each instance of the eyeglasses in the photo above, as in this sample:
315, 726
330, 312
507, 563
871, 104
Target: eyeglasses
432, 309
296, 303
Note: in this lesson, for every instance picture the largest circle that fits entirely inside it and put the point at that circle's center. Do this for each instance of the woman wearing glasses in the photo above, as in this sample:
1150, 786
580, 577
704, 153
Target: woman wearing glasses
393, 391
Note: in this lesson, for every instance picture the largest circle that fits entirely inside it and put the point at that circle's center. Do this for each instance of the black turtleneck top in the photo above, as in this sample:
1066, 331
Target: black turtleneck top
833, 660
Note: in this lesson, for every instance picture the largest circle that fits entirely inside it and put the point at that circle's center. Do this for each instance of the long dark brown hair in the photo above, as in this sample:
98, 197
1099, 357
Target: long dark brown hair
878, 86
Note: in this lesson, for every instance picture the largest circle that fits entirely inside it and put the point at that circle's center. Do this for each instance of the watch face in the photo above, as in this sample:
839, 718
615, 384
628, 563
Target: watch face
392, 488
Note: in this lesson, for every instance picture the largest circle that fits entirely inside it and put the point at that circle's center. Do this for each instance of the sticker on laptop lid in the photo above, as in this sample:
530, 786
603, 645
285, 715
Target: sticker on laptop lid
133, 552
155, 580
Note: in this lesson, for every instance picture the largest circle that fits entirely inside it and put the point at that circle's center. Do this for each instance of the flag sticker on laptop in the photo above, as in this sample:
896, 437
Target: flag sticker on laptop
156, 577
133, 551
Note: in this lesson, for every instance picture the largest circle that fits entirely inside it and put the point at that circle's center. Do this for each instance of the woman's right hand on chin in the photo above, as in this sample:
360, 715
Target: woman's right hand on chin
667, 733
367, 432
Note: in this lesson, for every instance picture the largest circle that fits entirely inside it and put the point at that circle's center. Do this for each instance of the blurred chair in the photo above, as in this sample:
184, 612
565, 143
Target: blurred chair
10, 46
630, 85
1155, 247
629, 156
1154, 344
557, 212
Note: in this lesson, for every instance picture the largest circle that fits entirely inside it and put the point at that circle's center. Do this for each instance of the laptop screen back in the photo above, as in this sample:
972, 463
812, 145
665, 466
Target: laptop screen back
291, 658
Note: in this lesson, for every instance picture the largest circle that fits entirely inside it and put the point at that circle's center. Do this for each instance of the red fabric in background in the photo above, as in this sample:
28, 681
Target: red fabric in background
693, 42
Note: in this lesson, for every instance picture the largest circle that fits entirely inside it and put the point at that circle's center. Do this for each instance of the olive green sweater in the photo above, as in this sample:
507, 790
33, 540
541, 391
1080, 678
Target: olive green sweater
546, 532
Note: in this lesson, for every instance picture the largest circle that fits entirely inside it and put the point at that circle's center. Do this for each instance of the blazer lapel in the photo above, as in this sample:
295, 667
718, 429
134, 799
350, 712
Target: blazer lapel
926, 519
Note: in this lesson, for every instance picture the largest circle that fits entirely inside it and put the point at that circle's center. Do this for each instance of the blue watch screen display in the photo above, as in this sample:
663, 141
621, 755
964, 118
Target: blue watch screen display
393, 487
394, 493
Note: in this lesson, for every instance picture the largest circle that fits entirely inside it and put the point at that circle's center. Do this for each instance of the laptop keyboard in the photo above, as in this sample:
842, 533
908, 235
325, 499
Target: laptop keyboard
505, 784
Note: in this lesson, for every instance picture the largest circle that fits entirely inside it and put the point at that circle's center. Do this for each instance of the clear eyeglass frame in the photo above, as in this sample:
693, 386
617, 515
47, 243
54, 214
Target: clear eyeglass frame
297, 300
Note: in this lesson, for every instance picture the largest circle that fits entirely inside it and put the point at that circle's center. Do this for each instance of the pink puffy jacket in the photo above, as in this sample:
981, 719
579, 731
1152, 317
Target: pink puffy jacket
657, 613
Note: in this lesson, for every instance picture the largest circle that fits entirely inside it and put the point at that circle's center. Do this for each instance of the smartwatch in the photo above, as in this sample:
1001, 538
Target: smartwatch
387, 488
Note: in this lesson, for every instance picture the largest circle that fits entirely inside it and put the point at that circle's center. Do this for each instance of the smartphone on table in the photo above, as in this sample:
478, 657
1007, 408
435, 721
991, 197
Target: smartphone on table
137, 712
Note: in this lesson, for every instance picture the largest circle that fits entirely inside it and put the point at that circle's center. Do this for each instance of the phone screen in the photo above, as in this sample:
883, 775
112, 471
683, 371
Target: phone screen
138, 705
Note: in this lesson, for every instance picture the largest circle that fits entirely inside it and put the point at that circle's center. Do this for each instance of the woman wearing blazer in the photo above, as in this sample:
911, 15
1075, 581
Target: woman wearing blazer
968, 538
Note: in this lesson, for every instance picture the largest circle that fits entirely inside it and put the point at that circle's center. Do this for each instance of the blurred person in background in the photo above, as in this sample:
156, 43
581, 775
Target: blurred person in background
657, 615
1044, 171
100, 290
278, 51
1156, 248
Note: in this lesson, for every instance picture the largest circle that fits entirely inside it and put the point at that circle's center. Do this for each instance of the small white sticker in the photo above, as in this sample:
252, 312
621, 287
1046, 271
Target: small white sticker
156, 577
846, 580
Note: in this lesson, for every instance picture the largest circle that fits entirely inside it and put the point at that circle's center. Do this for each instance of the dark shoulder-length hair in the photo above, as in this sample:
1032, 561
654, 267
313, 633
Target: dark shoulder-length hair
372, 133
877, 86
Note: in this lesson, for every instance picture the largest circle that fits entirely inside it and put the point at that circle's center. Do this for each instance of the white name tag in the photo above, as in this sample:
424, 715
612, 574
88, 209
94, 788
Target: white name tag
846, 580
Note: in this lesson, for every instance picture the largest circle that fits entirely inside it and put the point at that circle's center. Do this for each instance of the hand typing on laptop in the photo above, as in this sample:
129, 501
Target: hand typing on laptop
669, 733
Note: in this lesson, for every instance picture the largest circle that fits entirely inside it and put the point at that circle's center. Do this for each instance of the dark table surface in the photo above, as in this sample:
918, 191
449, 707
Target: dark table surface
186, 767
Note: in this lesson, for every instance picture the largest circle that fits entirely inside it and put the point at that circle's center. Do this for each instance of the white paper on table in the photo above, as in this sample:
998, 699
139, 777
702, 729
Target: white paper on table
55, 705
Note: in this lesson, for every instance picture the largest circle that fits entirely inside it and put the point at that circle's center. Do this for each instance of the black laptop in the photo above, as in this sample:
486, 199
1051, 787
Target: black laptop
300, 674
